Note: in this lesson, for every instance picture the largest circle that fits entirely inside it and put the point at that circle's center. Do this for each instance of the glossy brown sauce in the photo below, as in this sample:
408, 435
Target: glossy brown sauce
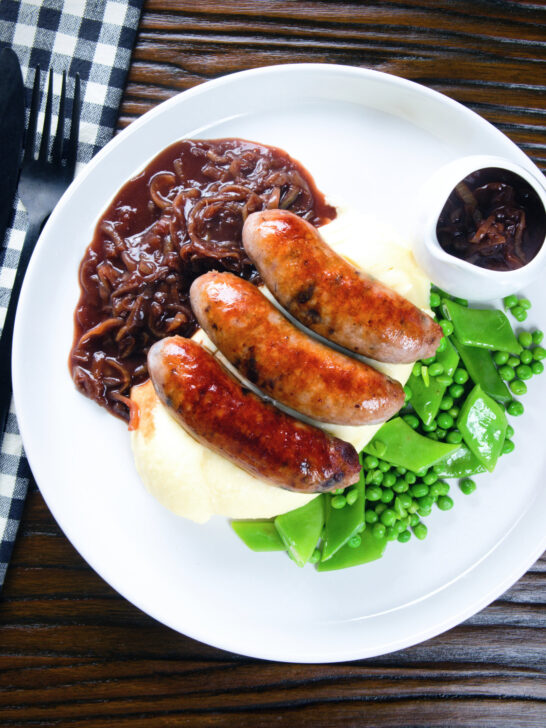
493, 219
178, 218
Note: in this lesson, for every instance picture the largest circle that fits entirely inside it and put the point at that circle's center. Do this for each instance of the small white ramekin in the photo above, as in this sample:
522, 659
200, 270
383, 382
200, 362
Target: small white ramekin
453, 275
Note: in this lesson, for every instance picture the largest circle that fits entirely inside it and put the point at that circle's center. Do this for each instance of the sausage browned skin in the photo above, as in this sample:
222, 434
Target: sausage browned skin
330, 296
286, 363
269, 444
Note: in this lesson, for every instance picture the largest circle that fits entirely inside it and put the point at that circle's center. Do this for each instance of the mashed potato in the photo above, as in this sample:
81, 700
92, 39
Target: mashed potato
194, 482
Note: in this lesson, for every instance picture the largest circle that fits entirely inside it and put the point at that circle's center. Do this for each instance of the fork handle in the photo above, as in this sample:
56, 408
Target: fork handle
33, 233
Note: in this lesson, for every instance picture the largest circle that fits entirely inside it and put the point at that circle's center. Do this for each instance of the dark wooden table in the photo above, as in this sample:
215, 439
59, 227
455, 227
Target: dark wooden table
72, 651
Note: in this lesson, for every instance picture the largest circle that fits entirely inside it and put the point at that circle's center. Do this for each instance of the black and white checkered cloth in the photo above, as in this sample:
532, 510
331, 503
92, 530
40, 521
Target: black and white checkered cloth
93, 38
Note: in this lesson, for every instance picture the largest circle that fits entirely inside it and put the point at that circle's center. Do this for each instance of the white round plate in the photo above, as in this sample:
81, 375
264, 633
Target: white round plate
370, 139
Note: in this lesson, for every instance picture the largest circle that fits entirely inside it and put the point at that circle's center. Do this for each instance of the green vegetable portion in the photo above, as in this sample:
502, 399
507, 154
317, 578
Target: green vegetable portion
259, 535
343, 523
300, 529
482, 371
370, 548
482, 328
459, 464
483, 423
400, 445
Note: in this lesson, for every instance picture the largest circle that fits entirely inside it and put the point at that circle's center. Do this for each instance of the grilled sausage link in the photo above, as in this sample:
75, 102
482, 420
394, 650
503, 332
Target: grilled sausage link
330, 296
218, 412
286, 363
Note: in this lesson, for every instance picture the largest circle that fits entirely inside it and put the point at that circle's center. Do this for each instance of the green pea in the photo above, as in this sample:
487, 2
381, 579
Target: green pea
370, 462
400, 486
525, 339
433, 436
435, 300
426, 502
434, 491
443, 486
429, 360
352, 496
456, 391
515, 409
467, 486
387, 495
338, 501
454, 437
524, 371
445, 420
430, 427
411, 420
440, 433
388, 517
408, 392
444, 379
539, 353
354, 542
526, 356
525, 303
518, 388
373, 493
454, 412
384, 466
460, 376
419, 490
424, 511
445, 503
435, 369
510, 301
379, 508
537, 367
413, 520
447, 402
405, 500
420, 531
447, 327
410, 477
513, 361
430, 478
519, 313
404, 536
508, 447
500, 357
442, 346
371, 517
538, 335
401, 470
507, 373
509, 431
391, 533
389, 479
378, 530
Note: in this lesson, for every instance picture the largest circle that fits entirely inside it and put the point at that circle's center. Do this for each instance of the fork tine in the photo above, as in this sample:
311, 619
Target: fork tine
46, 131
58, 141
71, 149
30, 137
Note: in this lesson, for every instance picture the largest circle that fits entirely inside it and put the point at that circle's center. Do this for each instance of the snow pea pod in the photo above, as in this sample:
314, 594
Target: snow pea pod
482, 370
459, 464
482, 328
259, 535
370, 549
397, 443
343, 523
426, 400
482, 423
448, 358
300, 529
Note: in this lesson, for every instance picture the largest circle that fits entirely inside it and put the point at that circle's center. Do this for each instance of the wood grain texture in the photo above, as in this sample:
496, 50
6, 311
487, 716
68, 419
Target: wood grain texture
72, 651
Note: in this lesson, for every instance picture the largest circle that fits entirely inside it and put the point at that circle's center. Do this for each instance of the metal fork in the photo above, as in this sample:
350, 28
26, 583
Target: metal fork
41, 184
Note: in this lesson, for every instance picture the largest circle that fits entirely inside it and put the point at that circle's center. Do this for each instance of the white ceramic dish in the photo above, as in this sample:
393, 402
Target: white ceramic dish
367, 138
457, 276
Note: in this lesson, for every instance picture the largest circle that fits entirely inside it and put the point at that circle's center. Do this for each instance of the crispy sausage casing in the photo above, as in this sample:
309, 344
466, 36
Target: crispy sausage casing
286, 363
269, 444
330, 296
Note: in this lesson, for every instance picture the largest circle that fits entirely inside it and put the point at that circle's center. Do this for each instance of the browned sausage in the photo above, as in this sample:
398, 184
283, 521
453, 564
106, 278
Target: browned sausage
218, 412
286, 363
330, 296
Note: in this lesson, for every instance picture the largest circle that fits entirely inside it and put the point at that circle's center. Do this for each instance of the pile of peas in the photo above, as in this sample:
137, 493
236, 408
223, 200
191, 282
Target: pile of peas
396, 498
